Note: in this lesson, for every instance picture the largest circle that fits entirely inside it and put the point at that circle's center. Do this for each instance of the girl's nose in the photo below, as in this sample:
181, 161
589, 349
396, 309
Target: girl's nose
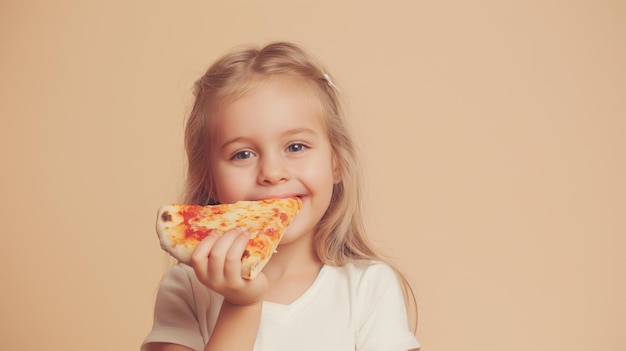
273, 171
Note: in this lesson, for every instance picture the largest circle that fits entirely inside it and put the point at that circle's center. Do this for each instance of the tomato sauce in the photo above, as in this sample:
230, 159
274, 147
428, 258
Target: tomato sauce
190, 215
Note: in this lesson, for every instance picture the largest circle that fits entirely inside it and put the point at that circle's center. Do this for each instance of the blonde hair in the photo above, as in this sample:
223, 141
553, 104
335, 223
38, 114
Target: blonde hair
340, 236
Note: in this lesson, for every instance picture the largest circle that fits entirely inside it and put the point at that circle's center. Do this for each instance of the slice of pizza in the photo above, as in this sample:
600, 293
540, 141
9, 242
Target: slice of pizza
181, 227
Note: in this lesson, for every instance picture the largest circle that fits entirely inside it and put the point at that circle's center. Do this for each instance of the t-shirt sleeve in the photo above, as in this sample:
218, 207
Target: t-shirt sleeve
175, 319
383, 322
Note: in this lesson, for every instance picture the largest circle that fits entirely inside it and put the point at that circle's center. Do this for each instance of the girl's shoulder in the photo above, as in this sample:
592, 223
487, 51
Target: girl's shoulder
182, 278
369, 285
179, 272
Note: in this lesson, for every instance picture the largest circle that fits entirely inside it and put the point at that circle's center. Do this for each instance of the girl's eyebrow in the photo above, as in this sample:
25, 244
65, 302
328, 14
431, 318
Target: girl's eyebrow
299, 131
289, 132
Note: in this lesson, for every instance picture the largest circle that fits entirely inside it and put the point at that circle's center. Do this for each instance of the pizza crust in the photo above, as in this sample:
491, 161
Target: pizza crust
167, 219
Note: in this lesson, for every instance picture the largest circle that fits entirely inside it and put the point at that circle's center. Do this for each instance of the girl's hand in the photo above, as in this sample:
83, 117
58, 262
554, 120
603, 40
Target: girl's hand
217, 263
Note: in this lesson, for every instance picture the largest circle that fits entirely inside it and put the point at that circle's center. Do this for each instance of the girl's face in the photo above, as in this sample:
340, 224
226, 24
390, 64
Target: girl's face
272, 143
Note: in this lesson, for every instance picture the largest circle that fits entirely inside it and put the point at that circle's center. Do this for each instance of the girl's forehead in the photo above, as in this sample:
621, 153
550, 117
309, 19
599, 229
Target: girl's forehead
277, 100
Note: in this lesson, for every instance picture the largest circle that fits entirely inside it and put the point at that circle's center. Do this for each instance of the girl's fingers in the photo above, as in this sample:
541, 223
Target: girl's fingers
201, 252
232, 267
217, 255
217, 264
200, 255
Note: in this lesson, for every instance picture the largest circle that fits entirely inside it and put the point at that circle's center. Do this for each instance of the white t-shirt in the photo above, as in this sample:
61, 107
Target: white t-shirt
352, 307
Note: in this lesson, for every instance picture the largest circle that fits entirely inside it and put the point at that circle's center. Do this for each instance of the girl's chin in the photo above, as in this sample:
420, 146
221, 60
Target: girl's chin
292, 234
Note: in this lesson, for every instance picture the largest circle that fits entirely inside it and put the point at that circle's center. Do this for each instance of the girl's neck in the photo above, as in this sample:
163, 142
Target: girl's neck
292, 271
293, 259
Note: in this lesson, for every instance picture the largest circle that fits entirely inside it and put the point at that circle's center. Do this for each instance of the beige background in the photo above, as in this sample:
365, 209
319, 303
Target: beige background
493, 134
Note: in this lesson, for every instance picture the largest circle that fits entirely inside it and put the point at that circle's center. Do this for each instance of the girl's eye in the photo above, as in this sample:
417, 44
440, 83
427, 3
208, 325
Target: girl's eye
296, 147
242, 155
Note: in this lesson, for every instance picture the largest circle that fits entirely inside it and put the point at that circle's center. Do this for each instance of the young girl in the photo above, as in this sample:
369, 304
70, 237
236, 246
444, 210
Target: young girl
267, 123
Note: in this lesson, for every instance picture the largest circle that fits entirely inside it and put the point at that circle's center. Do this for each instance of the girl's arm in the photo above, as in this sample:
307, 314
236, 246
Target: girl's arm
236, 327
217, 263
